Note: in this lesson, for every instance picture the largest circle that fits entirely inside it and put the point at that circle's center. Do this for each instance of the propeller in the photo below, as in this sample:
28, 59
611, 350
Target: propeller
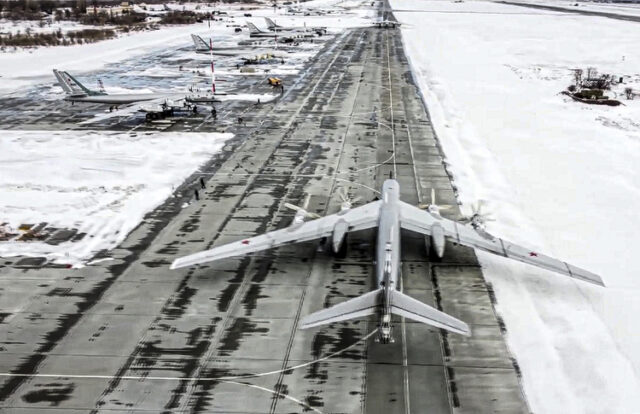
478, 219
347, 202
433, 207
301, 212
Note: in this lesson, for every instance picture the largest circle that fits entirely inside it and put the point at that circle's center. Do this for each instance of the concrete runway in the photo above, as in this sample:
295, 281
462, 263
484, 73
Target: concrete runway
129, 335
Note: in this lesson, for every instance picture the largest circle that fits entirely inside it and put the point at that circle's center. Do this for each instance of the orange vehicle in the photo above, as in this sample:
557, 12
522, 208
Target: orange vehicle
274, 82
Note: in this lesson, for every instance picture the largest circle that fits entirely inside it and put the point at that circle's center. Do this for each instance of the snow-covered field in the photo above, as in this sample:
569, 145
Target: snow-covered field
33, 66
101, 183
560, 176
33, 26
626, 9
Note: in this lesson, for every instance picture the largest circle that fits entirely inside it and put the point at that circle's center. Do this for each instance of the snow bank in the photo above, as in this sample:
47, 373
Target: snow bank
100, 183
559, 176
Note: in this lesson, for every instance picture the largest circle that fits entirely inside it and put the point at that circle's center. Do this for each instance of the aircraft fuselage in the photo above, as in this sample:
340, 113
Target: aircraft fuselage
388, 252
119, 99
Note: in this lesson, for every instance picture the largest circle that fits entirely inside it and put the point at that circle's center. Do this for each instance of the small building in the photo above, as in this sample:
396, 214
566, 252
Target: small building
124, 8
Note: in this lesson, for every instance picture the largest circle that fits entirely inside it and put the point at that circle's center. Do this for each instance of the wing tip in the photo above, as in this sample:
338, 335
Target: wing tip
466, 331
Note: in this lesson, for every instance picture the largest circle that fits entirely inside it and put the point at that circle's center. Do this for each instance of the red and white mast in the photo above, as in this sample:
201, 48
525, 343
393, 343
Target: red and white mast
213, 74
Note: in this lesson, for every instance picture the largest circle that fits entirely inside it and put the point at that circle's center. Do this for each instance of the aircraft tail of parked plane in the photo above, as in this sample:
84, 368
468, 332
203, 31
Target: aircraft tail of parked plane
374, 302
253, 28
155, 105
199, 42
72, 87
271, 24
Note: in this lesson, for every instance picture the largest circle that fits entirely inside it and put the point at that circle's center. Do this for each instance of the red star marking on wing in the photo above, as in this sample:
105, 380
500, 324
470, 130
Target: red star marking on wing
245, 241
533, 254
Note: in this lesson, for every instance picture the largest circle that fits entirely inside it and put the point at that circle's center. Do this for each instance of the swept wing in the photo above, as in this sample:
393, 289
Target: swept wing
359, 218
415, 219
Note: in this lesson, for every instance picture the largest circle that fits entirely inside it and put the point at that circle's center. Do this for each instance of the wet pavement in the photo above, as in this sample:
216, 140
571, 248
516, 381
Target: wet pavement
129, 335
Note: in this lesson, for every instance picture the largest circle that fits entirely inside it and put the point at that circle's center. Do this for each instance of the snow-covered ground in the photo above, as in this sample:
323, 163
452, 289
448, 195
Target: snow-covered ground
100, 183
560, 176
33, 66
625, 9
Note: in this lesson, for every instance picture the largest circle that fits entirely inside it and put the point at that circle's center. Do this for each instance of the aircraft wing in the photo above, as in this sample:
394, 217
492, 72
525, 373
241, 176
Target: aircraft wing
415, 219
359, 218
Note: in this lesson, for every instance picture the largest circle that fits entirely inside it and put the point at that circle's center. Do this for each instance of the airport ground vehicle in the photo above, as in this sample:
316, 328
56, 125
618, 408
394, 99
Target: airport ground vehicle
274, 82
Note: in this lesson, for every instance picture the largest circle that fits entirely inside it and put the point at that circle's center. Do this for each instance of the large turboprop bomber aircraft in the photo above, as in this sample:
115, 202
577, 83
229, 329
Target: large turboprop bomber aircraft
273, 26
207, 48
77, 92
283, 36
389, 215
155, 105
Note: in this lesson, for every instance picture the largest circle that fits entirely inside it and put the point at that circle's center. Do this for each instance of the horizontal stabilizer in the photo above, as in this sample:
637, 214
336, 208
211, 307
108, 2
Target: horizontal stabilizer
411, 308
401, 305
359, 307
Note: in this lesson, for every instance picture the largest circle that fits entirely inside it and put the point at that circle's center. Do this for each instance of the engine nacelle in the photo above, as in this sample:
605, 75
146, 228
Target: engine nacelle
437, 239
298, 220
339, 231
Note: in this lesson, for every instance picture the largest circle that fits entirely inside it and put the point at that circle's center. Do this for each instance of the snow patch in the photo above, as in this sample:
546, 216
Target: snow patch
100, 183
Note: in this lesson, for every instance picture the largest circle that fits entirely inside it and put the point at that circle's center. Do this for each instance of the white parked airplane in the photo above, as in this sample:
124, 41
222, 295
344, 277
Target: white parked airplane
155, 105
386, 24
203, 47
248, 55
389, 215
284, 36
271, 25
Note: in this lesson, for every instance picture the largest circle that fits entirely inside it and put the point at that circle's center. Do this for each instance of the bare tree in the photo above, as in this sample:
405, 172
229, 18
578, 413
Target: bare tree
577, 77
629, 93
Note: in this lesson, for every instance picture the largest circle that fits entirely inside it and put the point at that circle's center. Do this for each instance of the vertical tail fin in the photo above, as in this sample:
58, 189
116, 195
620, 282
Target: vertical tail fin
199, 42
62, 82
70, 85
252, 28
270, 23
